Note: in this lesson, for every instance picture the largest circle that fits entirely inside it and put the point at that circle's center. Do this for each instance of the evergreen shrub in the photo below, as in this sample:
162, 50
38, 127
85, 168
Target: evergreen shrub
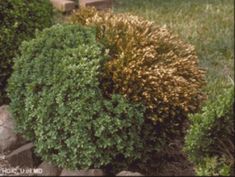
57, 102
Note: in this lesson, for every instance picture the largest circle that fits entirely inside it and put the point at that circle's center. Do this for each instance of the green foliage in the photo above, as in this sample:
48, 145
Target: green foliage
18, 21
212, 133
57, 102
213, 167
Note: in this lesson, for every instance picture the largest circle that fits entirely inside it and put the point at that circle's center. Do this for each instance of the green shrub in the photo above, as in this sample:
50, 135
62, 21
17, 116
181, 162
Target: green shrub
57, 102
148, 64
18, 21
211, 135
213, 167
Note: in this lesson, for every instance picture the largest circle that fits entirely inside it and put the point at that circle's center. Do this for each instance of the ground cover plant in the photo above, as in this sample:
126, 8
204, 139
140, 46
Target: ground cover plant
209, 141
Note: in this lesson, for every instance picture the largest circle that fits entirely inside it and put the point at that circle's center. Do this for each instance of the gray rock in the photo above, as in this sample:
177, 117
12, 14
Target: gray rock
49, 169
22, 156
90, 172
129, 173
8, 136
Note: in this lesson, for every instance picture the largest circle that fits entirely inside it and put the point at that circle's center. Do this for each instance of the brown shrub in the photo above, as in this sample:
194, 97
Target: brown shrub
147, 63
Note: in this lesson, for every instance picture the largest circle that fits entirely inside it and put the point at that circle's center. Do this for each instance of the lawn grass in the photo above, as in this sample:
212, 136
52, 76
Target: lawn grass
206, 24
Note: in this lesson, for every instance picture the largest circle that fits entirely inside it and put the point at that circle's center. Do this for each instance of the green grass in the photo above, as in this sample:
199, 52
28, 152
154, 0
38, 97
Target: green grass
206, 24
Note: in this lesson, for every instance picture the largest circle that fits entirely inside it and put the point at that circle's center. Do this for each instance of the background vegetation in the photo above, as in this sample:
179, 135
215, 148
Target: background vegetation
19, 20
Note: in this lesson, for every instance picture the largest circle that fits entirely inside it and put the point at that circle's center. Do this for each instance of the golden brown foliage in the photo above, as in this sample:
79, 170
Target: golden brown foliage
148, 64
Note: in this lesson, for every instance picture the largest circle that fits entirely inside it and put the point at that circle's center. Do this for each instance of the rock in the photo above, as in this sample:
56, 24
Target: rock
90, 172
8, 136
129, 173
64, 5
98, 4
22, 156
49, 169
